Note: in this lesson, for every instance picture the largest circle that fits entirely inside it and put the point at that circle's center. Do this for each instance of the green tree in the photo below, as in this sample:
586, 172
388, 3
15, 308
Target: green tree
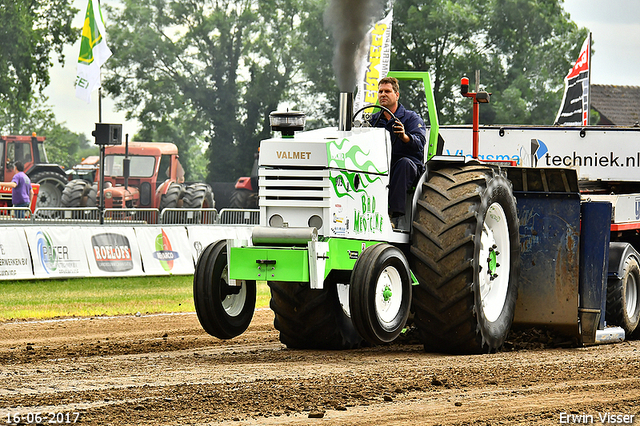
63, 146
214, 69
523, 49
209, 72
30, 32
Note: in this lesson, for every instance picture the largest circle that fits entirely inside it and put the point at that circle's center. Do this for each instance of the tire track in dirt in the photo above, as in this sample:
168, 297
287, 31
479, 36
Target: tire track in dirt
166, 370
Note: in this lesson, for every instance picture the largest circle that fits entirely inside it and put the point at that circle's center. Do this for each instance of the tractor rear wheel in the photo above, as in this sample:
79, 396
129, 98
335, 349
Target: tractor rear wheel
311, 319
198, 196
74, 193
466, 256
92, 196
51, 186
380, 293
243, 199
173, 198
623, 305
224, 311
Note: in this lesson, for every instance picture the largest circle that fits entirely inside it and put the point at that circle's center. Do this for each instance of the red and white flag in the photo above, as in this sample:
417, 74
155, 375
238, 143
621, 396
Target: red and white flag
574, 109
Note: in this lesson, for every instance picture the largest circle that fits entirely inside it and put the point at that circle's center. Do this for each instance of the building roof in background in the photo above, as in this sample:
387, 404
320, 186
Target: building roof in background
617, 105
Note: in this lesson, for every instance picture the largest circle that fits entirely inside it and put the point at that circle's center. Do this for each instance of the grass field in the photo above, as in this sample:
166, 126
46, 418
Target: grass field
80, 297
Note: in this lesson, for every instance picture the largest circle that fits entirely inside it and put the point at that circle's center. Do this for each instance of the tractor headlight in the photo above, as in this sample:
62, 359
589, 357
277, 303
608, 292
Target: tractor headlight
315, 221
276, 221
108, 195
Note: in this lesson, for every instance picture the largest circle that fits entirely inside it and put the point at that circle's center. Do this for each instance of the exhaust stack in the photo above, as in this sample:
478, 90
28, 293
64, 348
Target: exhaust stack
345, 111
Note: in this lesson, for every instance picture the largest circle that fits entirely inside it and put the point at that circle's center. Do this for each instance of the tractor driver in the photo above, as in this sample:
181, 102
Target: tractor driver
408, 138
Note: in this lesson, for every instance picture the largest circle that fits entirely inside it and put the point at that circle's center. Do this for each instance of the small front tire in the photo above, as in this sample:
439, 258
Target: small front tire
224, 311
380, 293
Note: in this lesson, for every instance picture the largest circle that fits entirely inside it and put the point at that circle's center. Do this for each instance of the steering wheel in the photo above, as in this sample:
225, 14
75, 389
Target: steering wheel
385, 109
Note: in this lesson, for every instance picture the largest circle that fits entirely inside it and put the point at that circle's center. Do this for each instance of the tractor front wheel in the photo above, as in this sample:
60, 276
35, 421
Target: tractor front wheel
380, 293
224, 311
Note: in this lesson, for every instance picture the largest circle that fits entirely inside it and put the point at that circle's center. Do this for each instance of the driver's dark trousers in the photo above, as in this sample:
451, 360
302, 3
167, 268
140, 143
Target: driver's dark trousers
403, 176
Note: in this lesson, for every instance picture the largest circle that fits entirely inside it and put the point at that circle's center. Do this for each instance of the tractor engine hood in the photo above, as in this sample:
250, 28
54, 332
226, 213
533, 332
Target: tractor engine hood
361, 149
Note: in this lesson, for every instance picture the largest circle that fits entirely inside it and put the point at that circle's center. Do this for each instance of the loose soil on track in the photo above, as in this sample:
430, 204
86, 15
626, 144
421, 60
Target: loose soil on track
165, 370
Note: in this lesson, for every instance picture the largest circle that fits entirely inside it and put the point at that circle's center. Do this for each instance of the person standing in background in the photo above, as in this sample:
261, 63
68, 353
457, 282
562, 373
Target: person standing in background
22, 192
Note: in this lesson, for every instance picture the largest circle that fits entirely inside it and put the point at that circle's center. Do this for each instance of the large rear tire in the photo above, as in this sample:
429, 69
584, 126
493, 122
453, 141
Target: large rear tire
51, 186
224, 311
466, 256
243, 199
92, 196
74, 193
173, 198
380, 293
311, 319
623, 305
198, 196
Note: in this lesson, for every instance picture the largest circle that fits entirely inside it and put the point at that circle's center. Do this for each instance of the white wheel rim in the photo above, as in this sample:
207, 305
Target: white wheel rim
234, 303
388, 296
631, 295
49, 196
494, 262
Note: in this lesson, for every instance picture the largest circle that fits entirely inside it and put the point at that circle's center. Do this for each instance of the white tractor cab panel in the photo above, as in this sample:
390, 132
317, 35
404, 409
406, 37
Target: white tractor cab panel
333, 180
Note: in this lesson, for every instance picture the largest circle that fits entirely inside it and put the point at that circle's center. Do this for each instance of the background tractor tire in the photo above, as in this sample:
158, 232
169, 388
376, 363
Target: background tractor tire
198, 196
311, 319
173, 198
224, 311
466, 257
243, 199
92, 196
380, 293
51, 186
75, 193
623, 305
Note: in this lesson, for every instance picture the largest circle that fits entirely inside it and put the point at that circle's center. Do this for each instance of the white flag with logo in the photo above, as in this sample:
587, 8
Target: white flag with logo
93, 51
375, 64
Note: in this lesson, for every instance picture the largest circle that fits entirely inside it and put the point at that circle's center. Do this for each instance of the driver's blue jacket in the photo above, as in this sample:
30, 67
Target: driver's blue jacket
413, 126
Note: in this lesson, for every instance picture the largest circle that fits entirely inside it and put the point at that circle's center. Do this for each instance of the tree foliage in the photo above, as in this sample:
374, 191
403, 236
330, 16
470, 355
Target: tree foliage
30, 32
208, 72
522, 48
214, 69
63, 146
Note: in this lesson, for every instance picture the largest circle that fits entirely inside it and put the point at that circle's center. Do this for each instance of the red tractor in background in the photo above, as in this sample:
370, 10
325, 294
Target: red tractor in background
30, 151
155, 180
245, 193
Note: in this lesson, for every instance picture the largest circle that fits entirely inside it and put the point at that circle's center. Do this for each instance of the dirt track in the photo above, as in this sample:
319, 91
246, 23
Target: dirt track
164, 369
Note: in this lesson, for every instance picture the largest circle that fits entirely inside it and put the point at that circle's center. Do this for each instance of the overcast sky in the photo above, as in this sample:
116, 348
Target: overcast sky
613, 23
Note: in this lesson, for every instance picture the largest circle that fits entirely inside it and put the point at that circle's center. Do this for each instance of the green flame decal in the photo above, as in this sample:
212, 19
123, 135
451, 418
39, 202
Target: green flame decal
338, 157
344, 182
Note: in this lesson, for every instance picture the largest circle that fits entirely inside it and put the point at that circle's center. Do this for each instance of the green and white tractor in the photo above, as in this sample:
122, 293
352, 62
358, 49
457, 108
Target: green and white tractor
340, 275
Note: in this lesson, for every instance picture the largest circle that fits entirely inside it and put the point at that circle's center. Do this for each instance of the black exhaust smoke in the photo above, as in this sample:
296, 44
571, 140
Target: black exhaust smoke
349, 21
